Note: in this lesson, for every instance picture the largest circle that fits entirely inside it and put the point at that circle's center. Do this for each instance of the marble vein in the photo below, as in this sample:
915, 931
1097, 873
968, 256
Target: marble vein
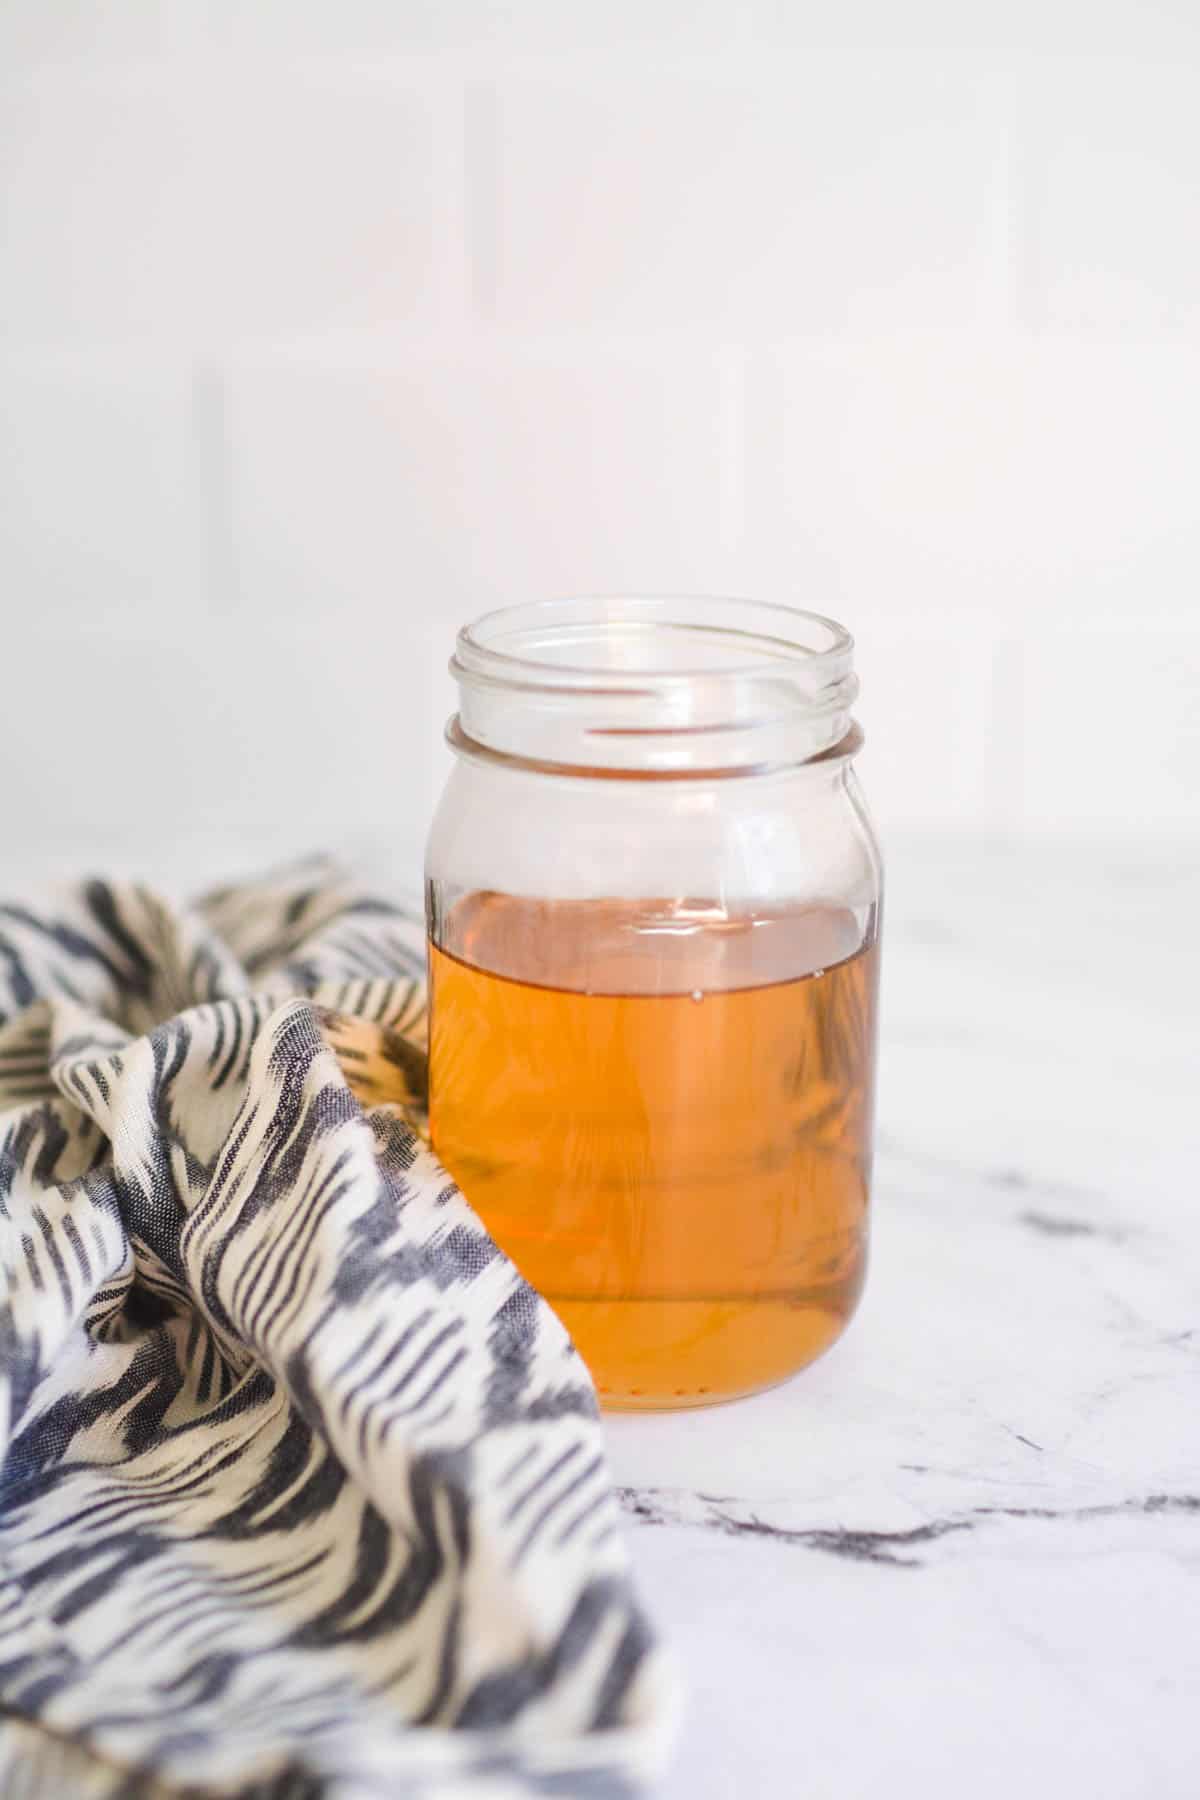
732, 1518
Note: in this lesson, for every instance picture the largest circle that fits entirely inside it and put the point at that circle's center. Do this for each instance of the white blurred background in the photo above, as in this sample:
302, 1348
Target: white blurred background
327, 324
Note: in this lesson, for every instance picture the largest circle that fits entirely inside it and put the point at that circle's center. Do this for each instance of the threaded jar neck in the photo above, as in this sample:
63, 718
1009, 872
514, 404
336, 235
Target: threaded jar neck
656, 685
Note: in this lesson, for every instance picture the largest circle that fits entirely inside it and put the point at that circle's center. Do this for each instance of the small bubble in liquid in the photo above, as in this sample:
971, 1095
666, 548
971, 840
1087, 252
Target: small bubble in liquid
696, 994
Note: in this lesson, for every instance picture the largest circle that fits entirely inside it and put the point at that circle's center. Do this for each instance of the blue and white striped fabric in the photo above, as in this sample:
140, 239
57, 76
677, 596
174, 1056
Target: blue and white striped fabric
302, 1488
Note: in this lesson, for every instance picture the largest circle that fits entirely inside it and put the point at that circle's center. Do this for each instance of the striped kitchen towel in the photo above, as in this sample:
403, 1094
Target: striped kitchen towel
302, 1488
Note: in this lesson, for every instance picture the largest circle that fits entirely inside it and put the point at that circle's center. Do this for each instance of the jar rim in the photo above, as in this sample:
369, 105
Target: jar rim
477, 654
655, 682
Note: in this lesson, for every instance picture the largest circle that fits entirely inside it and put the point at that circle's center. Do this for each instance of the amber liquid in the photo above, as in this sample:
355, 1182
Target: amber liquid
665, 1126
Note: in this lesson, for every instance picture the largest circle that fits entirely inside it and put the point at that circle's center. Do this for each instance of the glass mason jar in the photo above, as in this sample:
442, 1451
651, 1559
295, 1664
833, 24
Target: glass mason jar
653, 907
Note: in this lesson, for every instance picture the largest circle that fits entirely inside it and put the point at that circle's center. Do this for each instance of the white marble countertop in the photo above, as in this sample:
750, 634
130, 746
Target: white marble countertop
961, 1555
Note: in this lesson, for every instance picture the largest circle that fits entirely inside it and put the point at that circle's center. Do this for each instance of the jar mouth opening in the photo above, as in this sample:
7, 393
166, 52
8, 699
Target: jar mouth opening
654, 683
606, 643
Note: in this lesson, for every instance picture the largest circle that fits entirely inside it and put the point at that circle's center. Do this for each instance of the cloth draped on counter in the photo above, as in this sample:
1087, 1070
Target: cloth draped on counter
302, 1487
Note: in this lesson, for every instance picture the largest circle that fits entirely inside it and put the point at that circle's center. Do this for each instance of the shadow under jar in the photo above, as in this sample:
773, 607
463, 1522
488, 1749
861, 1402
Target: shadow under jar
653, 908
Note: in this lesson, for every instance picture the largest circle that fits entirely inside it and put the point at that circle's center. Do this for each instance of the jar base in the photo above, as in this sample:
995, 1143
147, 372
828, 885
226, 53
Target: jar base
669, 1355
